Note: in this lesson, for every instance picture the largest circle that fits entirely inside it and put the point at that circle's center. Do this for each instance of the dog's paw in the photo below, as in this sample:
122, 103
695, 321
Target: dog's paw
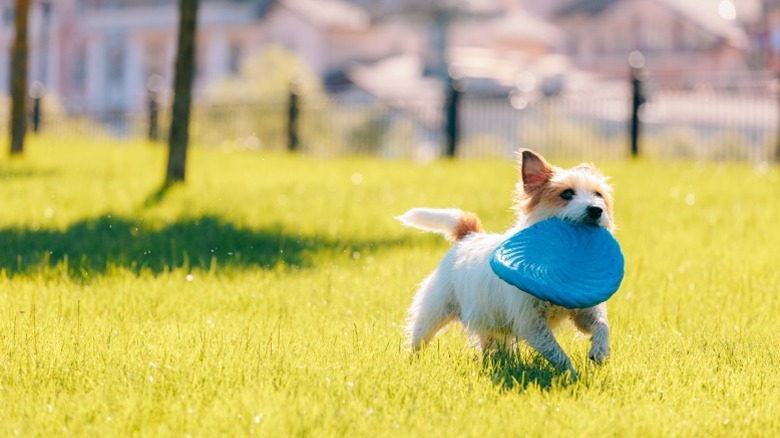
599, 353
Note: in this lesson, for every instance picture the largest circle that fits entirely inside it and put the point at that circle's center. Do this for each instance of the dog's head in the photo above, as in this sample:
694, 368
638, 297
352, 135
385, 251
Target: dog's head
580, 194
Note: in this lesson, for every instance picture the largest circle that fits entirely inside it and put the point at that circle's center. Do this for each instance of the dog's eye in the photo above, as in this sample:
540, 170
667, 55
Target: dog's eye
567, 194
598, 194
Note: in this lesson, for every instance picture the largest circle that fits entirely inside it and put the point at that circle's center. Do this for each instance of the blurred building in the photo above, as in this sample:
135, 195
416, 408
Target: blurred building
99, 54
487, 44
677, 38
46, 29
768, 32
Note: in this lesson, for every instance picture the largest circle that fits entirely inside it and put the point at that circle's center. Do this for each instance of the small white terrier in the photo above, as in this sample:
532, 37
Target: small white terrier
496, 314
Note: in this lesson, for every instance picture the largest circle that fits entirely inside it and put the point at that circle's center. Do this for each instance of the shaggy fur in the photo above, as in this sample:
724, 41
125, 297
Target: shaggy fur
495, 314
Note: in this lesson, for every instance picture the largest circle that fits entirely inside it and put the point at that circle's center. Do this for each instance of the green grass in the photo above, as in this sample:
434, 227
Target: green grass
267, 296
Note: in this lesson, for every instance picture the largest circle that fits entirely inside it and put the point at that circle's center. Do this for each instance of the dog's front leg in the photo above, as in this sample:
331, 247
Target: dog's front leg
541, 338
593, 321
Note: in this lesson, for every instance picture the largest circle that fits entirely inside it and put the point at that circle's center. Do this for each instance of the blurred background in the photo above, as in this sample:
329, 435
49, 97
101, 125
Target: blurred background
586, 79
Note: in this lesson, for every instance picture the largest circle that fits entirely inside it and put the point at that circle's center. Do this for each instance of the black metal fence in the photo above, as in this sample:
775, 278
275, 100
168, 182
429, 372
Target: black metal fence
736, 121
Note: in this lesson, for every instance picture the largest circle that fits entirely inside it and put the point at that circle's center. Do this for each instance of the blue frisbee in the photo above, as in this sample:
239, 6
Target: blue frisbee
566, 263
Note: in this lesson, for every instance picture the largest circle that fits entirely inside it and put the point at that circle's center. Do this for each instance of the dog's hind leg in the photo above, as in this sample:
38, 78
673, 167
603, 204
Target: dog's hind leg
540, 337
493, 342
432, 309
593, 321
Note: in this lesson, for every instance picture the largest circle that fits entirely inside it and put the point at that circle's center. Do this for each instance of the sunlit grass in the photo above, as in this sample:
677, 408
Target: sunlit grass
268, 295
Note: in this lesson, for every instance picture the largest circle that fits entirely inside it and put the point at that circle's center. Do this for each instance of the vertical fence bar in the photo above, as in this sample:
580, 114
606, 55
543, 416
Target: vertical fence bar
293, 112
636, 62
635, 103
451, 109
36, 115
154, 87
37, 90
154, 110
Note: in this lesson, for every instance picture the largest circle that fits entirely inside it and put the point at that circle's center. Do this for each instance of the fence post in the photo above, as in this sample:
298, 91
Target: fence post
36, 93
293, 111
36, 115
154, 87
636, 62
154, 109
451, 107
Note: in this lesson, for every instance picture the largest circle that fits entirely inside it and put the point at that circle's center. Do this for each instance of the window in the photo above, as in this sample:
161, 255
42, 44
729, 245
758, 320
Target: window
201, 56
235, 53
691, 37
8, 16
659, 37
115, 60
46, 9
78, 73
678, 35
154, 58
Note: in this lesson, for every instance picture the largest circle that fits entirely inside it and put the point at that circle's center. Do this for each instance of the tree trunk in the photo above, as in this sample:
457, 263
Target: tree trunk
185, 73
19, 78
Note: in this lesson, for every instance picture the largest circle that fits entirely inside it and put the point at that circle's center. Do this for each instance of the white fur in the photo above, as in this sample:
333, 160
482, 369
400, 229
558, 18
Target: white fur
437, 220
582, 199
495, 314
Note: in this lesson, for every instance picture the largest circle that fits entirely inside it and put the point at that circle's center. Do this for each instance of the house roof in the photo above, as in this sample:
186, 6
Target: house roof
397, 77
468, 6
518, 25
425, 8
588, 7
749, 10
704, 13
337, 14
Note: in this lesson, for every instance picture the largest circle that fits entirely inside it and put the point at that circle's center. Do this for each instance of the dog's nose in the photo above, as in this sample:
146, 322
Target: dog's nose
594, 212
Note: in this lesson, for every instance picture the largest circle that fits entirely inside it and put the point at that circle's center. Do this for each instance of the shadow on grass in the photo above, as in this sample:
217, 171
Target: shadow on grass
7, 173
514, 371
94, 246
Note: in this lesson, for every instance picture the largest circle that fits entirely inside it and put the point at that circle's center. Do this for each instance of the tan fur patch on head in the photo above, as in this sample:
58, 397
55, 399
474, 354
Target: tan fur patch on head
546, 201
540, 186
548, 196
468, 223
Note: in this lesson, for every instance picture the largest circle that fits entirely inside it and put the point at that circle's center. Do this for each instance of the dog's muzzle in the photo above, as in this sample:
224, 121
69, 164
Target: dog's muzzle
594, 212
592, 215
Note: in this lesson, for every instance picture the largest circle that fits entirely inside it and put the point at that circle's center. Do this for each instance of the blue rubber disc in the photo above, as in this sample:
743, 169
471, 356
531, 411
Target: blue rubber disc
566, 263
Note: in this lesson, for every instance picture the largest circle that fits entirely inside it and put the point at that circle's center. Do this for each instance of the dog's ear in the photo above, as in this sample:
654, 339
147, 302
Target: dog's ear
535, 171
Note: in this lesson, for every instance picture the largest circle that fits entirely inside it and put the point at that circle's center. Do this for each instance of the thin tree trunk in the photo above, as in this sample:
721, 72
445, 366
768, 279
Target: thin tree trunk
19, 78
185, 73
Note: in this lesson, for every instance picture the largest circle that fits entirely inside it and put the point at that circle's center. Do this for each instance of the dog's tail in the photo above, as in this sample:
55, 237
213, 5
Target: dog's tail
453, 223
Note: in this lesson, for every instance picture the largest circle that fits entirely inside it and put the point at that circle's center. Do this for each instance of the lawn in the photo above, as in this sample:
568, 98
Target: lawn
267, 296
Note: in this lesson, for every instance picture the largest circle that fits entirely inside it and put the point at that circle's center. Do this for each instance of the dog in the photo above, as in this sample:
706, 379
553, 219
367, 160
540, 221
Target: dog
495, 314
